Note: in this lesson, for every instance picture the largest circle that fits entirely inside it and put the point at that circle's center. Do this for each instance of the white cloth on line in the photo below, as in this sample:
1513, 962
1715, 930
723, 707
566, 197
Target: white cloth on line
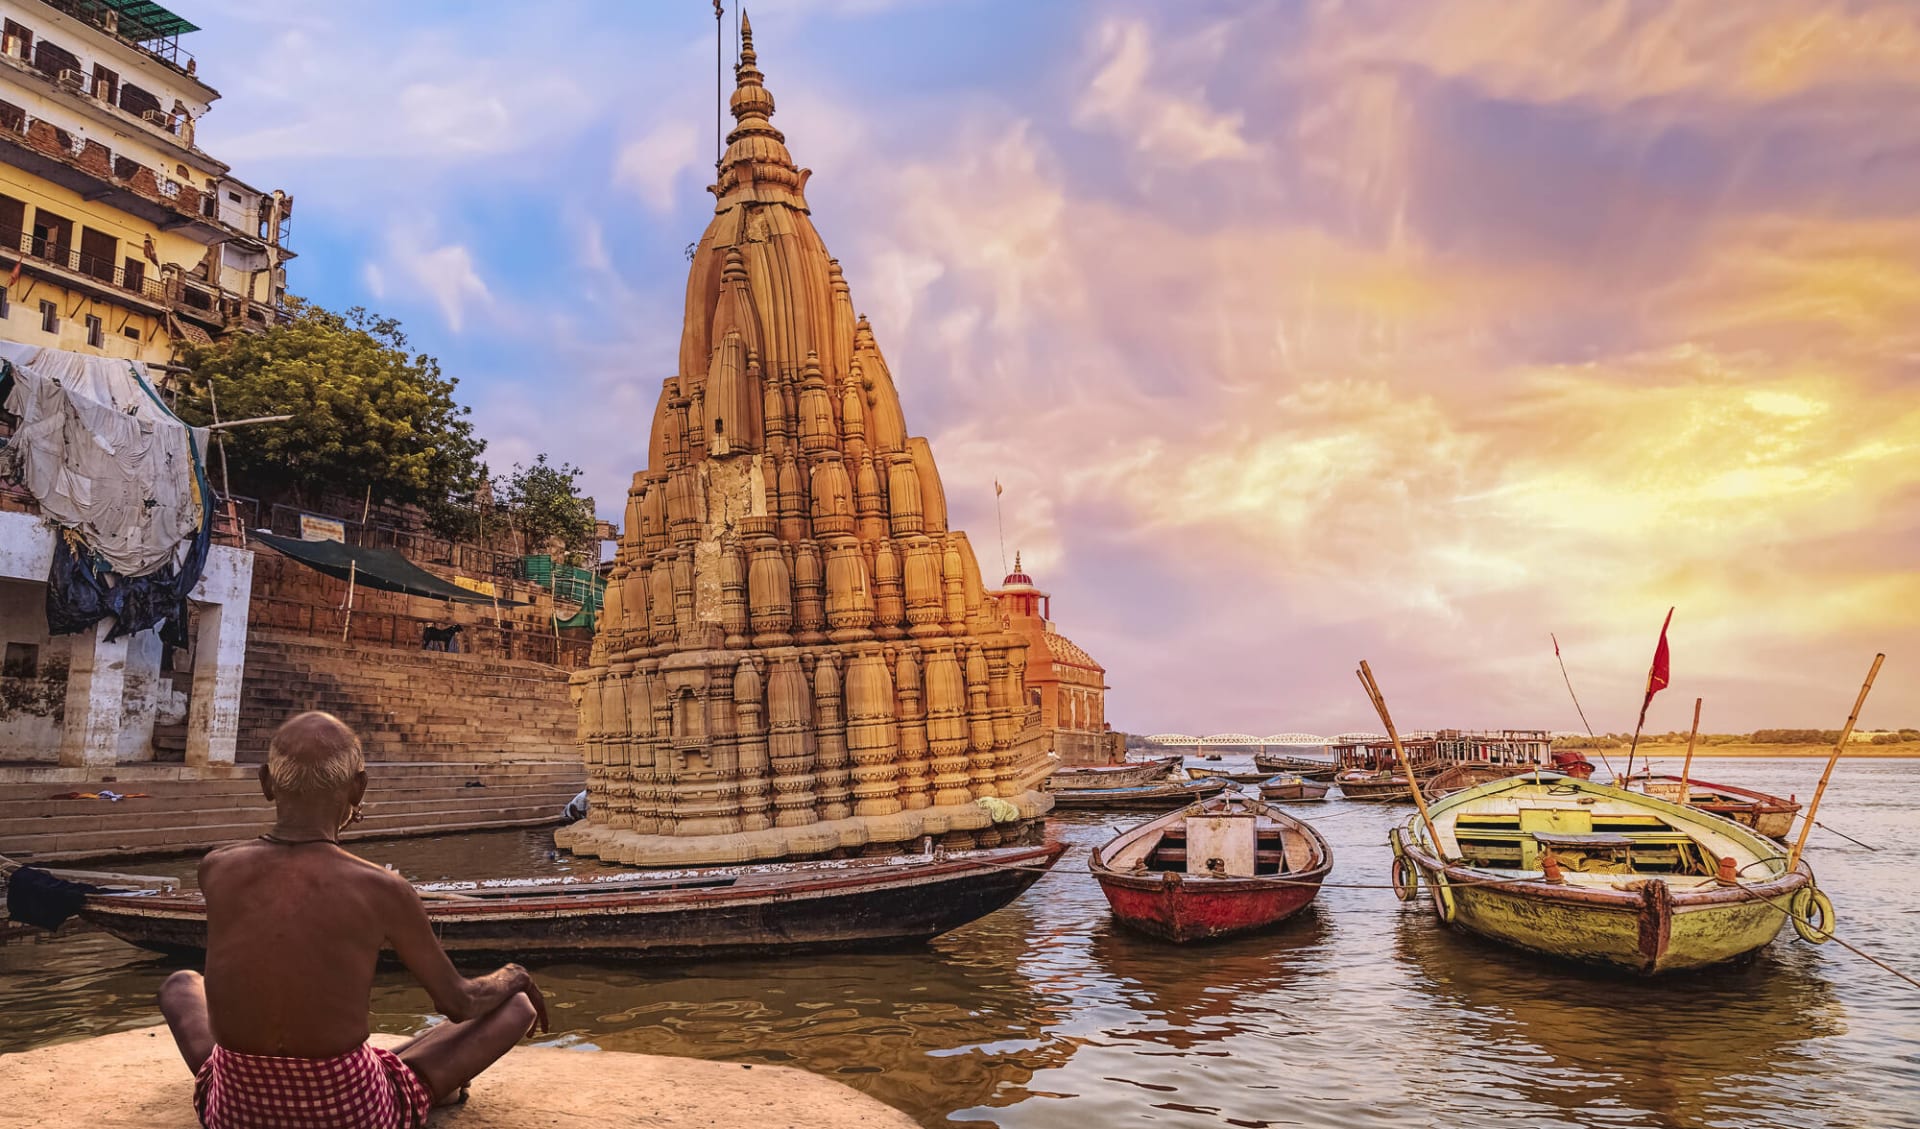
102, 457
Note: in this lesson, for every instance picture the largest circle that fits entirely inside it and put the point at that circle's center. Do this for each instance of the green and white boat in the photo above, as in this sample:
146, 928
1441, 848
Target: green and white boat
1592, 873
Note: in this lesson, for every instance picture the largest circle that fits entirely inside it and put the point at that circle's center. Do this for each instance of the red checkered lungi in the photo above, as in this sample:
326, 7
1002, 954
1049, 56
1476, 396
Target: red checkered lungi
367, 1088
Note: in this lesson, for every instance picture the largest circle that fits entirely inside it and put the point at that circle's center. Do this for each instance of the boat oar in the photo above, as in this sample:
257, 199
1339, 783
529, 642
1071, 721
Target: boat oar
1840, 746
1686, 767
1380, 707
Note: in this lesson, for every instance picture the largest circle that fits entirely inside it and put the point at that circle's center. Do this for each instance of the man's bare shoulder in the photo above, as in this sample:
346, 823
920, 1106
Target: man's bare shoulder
255, 855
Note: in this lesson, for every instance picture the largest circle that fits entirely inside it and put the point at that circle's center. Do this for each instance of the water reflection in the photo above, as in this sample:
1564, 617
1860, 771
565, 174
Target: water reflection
1684, 1049
1204, 994
1360, 1012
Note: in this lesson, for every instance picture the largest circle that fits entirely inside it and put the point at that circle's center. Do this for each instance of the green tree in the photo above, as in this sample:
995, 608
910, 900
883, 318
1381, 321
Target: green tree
367, 412
545, 507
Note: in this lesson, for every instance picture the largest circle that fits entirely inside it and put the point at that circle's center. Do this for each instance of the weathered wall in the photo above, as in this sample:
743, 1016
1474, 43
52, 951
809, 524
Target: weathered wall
407, 704
112, 694
1089, 748
30, 707
290, 597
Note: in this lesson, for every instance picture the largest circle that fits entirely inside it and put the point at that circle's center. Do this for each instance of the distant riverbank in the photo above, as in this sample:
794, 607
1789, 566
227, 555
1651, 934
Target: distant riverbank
1854, 751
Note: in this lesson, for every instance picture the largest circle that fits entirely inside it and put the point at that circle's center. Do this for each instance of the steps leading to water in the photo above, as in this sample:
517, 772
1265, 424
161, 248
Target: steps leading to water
178, 814
407, 704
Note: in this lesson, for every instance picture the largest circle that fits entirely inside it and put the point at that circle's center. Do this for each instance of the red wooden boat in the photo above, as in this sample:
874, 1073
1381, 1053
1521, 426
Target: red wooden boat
1223, 866
1571, 762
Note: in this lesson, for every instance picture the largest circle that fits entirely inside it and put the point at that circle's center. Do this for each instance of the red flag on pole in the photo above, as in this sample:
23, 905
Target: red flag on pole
1659, 674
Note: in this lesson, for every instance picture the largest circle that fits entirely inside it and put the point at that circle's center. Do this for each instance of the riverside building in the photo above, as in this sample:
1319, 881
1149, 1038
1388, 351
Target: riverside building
119, 236
1064, 682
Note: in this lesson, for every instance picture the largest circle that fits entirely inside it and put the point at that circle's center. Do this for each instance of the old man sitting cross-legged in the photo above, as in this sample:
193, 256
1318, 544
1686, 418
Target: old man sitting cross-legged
276, 1032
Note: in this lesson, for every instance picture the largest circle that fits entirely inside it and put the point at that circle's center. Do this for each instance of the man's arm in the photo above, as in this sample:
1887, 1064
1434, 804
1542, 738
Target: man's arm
458, 997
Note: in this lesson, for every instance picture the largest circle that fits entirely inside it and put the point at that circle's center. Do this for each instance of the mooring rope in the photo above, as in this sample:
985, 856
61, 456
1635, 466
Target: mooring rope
1788, 913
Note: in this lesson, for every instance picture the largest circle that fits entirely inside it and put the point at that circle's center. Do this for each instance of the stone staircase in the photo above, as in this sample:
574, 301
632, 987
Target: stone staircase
191, 810
407, 705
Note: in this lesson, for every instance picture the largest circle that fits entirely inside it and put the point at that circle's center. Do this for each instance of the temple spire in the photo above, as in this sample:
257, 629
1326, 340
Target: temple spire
756, 153
752, 102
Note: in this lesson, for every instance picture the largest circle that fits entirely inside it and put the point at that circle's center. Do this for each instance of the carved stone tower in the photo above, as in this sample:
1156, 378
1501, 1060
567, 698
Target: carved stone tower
796, 655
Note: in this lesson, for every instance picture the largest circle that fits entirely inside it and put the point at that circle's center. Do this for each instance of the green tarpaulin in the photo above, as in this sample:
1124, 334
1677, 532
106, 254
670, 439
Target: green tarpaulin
383, 569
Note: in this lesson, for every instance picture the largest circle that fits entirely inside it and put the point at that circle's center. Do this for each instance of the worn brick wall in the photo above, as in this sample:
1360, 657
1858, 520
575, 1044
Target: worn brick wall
407, 704
290, 597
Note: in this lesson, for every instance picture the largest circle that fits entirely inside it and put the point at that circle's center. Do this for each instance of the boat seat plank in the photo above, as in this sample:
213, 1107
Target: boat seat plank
1587, 839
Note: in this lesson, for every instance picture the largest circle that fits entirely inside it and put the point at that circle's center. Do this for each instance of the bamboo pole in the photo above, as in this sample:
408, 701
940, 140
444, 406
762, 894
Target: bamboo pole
1686, 767
1380, 707
219, 426
353, 573
1813, 807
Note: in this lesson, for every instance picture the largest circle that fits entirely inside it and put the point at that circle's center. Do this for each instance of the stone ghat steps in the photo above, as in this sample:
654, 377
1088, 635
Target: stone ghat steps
33, 827
56, 816
407, 704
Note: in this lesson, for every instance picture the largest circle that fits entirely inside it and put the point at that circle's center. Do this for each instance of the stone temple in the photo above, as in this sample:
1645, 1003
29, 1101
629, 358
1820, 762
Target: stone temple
797, 654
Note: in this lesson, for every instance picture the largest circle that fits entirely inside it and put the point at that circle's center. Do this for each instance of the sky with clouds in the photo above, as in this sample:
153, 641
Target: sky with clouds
1298, 333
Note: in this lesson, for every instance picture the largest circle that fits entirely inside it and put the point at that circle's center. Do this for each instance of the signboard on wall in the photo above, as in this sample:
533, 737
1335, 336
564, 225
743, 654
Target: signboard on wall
484, 587
322, 529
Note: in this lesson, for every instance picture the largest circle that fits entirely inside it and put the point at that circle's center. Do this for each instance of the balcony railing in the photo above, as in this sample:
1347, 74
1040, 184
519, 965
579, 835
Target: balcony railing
70, 258
164, 46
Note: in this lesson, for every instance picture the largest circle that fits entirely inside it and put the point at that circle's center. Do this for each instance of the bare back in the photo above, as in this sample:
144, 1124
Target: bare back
293, 935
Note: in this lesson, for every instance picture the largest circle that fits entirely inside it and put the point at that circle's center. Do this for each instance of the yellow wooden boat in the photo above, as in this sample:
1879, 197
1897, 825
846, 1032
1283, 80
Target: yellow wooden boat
1597, 874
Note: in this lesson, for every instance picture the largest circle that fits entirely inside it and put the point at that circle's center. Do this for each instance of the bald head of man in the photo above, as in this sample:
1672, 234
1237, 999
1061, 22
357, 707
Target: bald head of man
315, 774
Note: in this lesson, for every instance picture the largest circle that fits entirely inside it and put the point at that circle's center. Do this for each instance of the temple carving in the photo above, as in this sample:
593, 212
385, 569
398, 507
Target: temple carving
797, 654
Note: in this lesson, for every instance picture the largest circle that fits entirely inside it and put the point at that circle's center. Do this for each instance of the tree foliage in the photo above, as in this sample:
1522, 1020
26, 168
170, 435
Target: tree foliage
367, 412
544, 505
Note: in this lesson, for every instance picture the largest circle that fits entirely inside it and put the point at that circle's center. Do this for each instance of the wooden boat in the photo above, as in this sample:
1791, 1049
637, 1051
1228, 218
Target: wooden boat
1225, 866
1312, 768
1298, 788
753, 910
1769, 815
1166, 794
1593, 873
1460, 777
1127, 774
1229, 777
1573, 763
1385, 786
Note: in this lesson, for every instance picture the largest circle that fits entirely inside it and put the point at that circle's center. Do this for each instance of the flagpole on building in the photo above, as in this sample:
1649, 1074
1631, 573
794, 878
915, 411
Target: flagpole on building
1001, 520
1658, 675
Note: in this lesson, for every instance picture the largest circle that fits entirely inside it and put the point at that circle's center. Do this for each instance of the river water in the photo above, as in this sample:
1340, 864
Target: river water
1360, 1012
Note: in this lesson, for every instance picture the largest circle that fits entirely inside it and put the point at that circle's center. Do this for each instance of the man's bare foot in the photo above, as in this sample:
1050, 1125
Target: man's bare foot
458, 1097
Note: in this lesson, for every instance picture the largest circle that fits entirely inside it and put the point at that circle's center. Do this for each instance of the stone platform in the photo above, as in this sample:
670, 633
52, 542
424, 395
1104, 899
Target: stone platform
631, 848
136, 1079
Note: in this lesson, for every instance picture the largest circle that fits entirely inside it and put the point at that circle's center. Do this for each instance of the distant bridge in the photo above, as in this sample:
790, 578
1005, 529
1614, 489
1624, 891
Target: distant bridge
1248, 740
1286, 740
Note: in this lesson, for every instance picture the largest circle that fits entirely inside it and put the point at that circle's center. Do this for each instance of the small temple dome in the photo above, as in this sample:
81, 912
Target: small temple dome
1017, 578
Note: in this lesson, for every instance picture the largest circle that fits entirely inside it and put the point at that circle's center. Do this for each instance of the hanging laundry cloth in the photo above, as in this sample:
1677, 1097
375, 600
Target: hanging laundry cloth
121, 475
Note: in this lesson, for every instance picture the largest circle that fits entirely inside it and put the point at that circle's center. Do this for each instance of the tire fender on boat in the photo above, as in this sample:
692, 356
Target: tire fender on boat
1812, 914
1404, 875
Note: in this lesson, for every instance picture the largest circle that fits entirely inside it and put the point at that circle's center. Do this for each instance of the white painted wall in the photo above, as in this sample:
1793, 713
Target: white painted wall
112, 694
